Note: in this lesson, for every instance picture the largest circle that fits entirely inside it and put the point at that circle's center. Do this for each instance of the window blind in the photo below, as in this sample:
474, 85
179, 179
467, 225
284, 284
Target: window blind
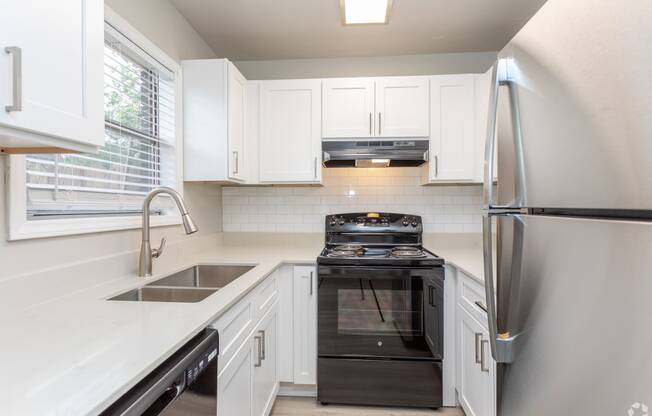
139, 152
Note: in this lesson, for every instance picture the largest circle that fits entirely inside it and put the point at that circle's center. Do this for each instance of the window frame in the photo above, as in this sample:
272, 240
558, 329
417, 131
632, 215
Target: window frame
19, 227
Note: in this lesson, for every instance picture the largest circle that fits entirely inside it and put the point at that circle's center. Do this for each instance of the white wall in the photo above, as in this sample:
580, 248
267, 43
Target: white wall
163, 25
455, 209
434, 64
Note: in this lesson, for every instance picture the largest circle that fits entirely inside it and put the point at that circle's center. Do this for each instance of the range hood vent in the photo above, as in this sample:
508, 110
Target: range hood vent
366, 154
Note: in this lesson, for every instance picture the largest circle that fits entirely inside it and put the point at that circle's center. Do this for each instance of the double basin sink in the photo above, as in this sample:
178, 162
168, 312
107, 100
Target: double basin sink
193, 284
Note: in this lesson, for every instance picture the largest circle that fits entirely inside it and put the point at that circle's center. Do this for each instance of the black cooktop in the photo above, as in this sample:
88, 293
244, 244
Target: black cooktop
376, 238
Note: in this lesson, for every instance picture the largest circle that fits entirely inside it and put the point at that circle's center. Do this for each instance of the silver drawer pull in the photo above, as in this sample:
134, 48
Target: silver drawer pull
311, 275
379, 123
370, 124
483, 366
259, 358
262, 341
17, 79
478, 339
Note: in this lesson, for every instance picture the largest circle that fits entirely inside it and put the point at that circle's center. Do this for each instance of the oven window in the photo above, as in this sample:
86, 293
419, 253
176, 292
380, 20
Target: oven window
390, 309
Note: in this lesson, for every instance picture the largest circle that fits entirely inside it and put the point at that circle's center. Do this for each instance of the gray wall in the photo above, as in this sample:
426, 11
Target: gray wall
163, 25
443, 63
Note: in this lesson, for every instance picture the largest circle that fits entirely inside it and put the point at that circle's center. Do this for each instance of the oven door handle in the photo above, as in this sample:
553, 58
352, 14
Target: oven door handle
324, 273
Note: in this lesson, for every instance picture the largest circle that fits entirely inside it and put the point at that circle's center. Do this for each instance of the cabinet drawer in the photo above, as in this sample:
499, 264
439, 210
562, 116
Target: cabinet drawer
234, 327
265, 294
471, 296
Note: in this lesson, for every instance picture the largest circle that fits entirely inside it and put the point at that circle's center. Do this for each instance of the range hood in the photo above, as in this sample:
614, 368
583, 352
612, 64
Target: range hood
367, 154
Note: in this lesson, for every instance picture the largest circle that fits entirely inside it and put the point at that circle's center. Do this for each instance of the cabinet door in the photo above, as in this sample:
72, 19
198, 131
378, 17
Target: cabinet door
476, 379
265, 365
285, 354
290, 131
305, 325
348, 107
61, 47
237, 85
402, 107
452, 128
434, 317
235, 383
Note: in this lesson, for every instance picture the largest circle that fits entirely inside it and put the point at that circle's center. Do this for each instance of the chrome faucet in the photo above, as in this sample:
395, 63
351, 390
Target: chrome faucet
146, 251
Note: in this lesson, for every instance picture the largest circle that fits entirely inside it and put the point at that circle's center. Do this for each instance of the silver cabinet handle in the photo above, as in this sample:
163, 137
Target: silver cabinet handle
483, 366
17, 79
311, 275
436, 165
259, 358
316, 168
379, 123
370, 124
498, 79
478, 339
236, 168
262, 342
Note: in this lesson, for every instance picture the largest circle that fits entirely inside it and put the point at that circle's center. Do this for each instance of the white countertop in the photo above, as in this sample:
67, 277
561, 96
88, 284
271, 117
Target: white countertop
76, 353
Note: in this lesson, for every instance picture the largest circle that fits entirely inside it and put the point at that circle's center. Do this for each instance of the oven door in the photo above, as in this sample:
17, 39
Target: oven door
373, 312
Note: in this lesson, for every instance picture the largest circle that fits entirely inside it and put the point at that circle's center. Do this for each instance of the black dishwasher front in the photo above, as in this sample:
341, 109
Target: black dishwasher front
185, 384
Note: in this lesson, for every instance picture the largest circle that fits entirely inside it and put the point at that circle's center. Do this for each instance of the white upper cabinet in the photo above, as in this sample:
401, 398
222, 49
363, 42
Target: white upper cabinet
348, 108
214, 99
237, 93
290, 131
402, 107
51, 75
452, 128
375, 107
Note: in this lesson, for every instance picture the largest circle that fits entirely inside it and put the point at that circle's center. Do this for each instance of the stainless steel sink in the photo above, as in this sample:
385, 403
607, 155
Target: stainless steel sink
165, 294
212, 276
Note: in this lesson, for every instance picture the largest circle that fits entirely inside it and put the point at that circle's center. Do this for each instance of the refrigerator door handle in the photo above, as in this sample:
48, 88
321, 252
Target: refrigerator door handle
502, 344
500, 78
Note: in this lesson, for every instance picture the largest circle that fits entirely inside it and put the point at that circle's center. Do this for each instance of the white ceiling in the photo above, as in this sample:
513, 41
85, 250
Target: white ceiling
292, 29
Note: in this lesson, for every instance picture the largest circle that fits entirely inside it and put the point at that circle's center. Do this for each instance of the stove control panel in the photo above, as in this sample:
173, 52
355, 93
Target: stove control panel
373, 222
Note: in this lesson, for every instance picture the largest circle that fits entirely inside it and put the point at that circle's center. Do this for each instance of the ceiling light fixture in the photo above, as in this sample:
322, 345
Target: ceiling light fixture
365, 12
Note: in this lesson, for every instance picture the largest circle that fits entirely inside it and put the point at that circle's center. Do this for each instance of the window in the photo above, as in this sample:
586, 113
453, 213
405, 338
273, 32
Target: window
73, 193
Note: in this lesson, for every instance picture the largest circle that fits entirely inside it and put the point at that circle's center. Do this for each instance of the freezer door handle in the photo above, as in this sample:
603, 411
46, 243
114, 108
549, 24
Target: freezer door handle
502, 344
500, 71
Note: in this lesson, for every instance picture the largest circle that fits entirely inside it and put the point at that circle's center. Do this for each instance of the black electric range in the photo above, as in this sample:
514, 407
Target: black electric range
380, 312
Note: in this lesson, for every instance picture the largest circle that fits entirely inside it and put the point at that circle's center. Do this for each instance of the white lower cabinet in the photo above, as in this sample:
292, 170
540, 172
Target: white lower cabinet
475, 384
248, 383
268, 337
247, 380
305, 325
235, 383
265, 376
476, 369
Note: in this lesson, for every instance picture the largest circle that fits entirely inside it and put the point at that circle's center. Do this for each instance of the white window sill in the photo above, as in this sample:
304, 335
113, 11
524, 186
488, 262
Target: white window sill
67, 226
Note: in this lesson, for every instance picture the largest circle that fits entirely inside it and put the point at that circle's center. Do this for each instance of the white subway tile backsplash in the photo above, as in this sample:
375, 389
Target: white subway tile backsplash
454, 209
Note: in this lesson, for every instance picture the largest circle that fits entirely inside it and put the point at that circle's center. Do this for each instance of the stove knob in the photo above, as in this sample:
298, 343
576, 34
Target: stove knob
414, 223
341, 222
405, 222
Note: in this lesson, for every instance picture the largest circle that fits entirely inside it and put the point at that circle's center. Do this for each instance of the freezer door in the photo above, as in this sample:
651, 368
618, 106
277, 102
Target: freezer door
580, 74
574, 304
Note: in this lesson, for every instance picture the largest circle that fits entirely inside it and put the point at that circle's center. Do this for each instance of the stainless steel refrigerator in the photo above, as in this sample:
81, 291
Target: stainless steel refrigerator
569, 278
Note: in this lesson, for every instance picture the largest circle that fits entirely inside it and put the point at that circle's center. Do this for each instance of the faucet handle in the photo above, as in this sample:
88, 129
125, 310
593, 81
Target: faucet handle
156, 252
